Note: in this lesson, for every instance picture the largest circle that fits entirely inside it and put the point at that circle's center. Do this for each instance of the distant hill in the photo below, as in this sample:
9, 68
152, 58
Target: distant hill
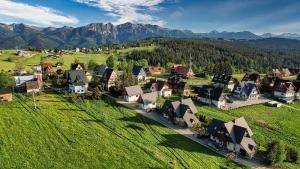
21, 35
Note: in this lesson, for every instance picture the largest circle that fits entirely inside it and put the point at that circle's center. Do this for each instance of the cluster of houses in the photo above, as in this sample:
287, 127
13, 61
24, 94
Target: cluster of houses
233, 136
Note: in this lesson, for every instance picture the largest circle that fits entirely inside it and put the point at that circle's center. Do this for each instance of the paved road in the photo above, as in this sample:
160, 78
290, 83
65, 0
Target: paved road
187, 133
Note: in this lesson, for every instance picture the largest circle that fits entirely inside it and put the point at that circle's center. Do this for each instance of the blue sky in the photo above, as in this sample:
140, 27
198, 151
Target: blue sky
259, 16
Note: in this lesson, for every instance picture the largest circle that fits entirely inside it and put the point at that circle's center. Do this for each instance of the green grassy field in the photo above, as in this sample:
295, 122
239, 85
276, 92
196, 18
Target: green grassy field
67, 58
267, 123
94, 134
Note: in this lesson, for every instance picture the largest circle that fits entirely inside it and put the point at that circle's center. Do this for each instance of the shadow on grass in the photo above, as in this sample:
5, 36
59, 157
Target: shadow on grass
177, 141
140, 119
135, 127
71, 110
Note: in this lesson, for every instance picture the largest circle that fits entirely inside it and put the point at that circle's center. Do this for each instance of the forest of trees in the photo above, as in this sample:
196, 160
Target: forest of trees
206, 53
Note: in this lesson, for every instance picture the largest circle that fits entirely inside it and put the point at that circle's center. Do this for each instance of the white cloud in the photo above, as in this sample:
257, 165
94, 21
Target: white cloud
291, 27
36, 15
136, 11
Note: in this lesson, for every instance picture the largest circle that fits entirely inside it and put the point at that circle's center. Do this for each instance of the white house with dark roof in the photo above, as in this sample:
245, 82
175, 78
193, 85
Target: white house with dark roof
209, 94
223, 81
147, 101
77, 81
246, 90
132, 93
181, 112
234, 136
139, 73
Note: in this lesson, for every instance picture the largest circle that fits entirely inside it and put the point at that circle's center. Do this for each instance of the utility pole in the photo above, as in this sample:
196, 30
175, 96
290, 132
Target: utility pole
34, 100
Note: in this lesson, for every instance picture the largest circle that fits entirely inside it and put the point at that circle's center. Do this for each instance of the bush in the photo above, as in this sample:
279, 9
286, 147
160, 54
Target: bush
276, 152
292, 155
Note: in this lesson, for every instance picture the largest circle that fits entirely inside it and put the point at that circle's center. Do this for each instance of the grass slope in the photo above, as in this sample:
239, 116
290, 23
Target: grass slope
94, 134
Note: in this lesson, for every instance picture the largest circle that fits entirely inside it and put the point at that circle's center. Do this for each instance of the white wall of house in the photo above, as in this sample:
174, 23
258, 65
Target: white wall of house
297, 95
131, 98
284, 94
147, 106
217, 103
78, 89
166, 93
33, 90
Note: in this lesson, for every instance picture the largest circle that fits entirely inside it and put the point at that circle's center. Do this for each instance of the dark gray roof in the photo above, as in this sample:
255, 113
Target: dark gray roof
210, 92
106, 76
5, 91
180, 107
245, 87
76, 77
251, 76
215, 126
134, 90
223, 79
100, 69
75, 65
137, 69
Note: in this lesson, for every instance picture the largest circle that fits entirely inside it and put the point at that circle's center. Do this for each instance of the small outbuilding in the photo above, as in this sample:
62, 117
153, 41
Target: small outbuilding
132, 93
5, 95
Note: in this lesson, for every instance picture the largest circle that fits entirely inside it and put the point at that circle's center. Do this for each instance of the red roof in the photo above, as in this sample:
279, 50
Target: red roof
154, 70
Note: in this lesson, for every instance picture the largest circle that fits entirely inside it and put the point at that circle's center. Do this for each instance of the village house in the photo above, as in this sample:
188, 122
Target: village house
33, 86
77, 81
275, 73
252, 77
20, 80
209, 94
154, 70
246, 91
268, 83
47, 69
147, 101
179, 69
132, 93
234, 136
109, 78
161, 87
139, 73
77, 66
296, 84
178, 86
181, 112
284, 90
223, 81
285, 72
294, 71
5, 95
100, 69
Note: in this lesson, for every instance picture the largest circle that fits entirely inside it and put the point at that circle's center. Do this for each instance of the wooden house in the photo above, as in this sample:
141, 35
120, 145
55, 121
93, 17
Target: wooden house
178, 86
33, 86
284, 90
234, 136
154, 70
183, 71
161, 87
252, 77
77, 81
132, 93
223, 81
100, 69
6, 95
109, 78
148, 101
181, 112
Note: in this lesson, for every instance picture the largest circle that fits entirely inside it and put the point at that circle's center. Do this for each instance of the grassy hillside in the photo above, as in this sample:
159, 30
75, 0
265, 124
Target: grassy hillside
94, 134
68, 58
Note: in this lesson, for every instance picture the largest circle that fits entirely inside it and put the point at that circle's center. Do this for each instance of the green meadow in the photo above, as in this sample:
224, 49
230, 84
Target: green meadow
93, 134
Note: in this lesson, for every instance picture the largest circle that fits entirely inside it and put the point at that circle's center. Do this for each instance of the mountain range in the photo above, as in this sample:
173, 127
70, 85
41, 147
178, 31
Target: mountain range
21, 35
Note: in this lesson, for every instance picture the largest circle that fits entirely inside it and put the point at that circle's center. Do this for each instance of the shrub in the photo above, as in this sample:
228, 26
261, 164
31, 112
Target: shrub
276, 152
292, 154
